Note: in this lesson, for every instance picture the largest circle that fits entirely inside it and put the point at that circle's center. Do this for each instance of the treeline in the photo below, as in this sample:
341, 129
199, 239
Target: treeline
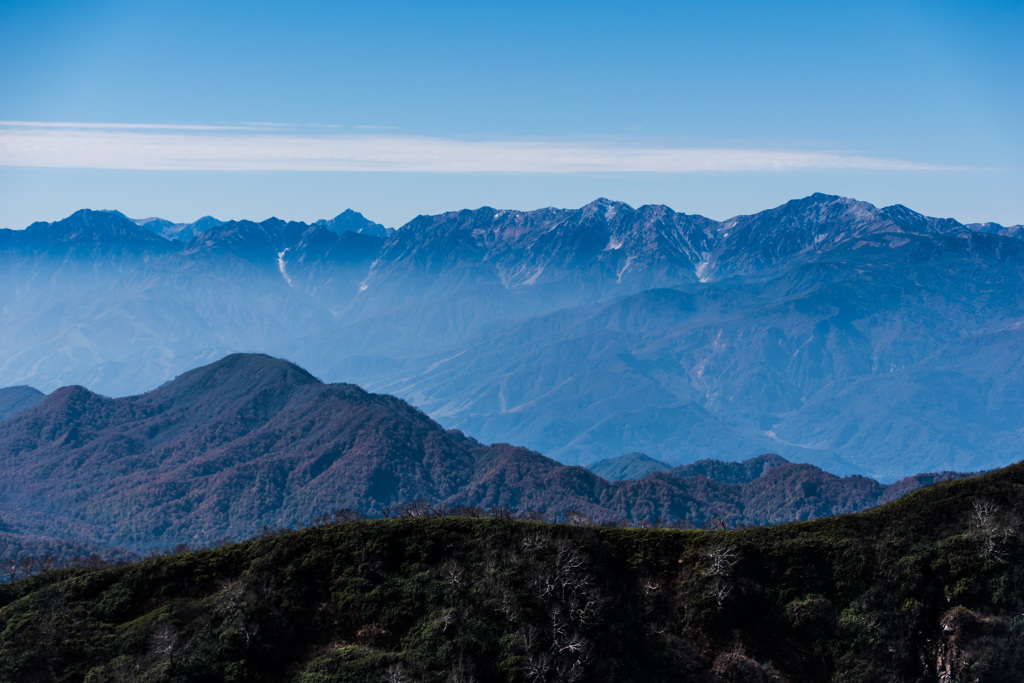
25, 565
423, 508
30, 565
21, 565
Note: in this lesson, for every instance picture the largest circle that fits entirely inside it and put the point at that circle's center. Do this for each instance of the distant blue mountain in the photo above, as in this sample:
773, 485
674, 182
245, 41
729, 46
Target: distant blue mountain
347, 221
13, 400
861, 339
628, 466
353, 221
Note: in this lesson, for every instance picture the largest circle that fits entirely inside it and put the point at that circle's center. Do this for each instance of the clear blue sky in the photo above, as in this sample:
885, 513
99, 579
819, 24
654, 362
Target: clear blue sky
300, 110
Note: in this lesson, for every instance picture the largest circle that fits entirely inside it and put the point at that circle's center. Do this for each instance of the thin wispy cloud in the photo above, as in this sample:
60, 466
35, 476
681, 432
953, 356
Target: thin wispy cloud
263, 147
24, 125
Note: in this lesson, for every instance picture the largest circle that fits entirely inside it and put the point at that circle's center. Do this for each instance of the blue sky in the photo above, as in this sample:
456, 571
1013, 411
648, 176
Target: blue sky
246, 110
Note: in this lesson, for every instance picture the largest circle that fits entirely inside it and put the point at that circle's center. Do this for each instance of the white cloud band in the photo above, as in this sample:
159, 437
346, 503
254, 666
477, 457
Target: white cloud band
269, 147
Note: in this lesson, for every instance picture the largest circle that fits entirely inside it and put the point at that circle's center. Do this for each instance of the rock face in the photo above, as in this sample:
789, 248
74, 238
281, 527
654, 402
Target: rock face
860, 339
253, 441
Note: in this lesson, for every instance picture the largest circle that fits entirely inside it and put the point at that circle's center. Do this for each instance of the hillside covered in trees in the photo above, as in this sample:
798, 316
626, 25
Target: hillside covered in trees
927, 588
252, 441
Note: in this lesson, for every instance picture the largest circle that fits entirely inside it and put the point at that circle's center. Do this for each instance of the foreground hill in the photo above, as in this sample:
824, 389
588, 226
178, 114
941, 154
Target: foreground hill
252, 441
924, 589
827, 330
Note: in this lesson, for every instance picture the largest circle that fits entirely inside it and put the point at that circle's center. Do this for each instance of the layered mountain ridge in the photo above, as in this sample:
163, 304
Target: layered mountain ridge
252, 441
827, 330
926, 588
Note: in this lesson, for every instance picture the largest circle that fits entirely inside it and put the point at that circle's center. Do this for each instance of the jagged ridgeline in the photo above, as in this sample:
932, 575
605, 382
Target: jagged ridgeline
930, 587
860, 339
252, 441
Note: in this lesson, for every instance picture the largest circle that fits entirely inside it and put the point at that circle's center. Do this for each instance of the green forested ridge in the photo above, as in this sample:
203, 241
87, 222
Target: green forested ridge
929, 587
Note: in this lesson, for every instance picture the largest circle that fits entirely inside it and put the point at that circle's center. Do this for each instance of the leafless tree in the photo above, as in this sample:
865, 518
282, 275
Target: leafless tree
417, 508
718, 522
163, 643
577, 518
47, 563
499, 512
446, 618
529, 638
995, 530
572, 643
454, 574
649, 584
346, 515
467, 511
536, 666
571, 671
461, 671
720, 560
94, 561
533, 516
532, 543
27, 564
507, 604
395, 674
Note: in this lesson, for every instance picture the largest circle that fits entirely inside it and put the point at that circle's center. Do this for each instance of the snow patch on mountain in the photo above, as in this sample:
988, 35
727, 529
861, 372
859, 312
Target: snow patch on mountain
614, 243
281, 267
703, 267
533, 278
624, 268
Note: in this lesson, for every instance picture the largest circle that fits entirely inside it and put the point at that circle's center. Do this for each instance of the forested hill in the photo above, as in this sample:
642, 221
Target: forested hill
927, 588
252, 441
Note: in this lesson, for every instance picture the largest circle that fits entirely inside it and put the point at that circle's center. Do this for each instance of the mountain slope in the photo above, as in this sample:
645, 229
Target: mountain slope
862, 365
926, 588
223, 450
15, 399
252, 441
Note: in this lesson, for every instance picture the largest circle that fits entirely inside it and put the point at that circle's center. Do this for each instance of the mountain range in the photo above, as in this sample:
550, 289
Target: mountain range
252, 442
860, 339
